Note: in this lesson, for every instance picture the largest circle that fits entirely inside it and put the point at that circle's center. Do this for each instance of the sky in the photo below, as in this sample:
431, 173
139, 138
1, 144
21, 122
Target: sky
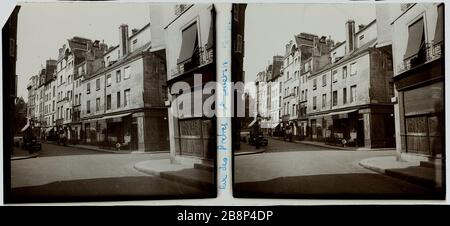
269, 27
44, 27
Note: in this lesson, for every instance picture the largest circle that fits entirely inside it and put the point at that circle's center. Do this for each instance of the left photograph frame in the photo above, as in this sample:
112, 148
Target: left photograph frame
92, 102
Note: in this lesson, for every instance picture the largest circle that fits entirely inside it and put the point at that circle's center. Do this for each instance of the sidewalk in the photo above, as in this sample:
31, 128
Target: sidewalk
20, 153
321, 144
423, 173
96, 148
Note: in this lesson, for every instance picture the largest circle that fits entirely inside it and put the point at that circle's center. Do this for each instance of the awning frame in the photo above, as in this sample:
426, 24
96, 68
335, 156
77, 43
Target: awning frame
189, 37
416, 38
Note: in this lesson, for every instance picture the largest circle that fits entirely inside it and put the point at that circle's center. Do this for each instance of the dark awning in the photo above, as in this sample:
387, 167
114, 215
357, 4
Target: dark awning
439, 33
415, 39
188, 43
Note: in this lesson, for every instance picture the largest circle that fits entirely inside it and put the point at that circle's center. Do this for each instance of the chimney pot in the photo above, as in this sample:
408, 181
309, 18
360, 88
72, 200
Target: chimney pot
350, 36
123, 39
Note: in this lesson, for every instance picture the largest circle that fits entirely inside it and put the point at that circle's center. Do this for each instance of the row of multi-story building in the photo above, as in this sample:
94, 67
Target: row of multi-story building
351, 91
121, 96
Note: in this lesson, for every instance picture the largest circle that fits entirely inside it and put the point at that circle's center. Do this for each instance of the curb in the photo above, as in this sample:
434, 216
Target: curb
249, 152
394, 173
25, 157
325, 146
146, 170
118, 152
370, 167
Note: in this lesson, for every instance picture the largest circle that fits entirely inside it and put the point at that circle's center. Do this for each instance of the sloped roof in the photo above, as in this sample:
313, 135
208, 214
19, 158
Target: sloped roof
131, 55
362, 49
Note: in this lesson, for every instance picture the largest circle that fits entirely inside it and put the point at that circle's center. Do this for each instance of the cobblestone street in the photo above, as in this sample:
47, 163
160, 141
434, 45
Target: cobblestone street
77, 174
308, 171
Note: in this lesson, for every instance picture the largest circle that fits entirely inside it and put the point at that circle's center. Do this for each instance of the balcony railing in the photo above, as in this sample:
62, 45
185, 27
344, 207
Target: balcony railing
201, 57
427, 53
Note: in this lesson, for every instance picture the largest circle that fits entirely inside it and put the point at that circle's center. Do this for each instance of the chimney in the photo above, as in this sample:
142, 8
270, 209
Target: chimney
134, 31
350, 36
123, 39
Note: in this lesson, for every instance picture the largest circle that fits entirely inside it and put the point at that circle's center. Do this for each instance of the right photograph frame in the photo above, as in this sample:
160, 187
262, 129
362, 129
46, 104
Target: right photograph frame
341, 101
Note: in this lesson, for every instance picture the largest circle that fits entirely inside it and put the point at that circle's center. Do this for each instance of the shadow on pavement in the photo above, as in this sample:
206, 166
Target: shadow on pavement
106, 189
335, 186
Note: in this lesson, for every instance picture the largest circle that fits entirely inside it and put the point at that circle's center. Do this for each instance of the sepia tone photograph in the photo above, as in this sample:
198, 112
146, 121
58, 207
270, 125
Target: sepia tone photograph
343, 101
91, 108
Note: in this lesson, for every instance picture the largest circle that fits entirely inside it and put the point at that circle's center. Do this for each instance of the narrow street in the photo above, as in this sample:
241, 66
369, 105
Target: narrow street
69, 174
306, 171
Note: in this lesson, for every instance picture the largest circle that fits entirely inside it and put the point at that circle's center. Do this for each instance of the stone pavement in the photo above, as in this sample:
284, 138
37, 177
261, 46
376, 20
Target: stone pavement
43, 170
304, 171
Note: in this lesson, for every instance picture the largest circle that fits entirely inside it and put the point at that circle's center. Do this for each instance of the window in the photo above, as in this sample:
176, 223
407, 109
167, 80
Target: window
353, 69
334, 76
352, 93
314, 84
127, 73
361, 37
127, 97
324, 100
53, 106
303, 95
335, 98
344, 72
97, 104
324, 80
344, 96
118, 76
107, 61
287, 75
88, 106
314, 103
118, 99
54, 91
97, 126
293, 110
88, 88
108, 102
108, 80
97, 84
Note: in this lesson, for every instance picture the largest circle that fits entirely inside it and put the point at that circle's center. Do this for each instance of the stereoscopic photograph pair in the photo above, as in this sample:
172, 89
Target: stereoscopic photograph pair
117, 102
